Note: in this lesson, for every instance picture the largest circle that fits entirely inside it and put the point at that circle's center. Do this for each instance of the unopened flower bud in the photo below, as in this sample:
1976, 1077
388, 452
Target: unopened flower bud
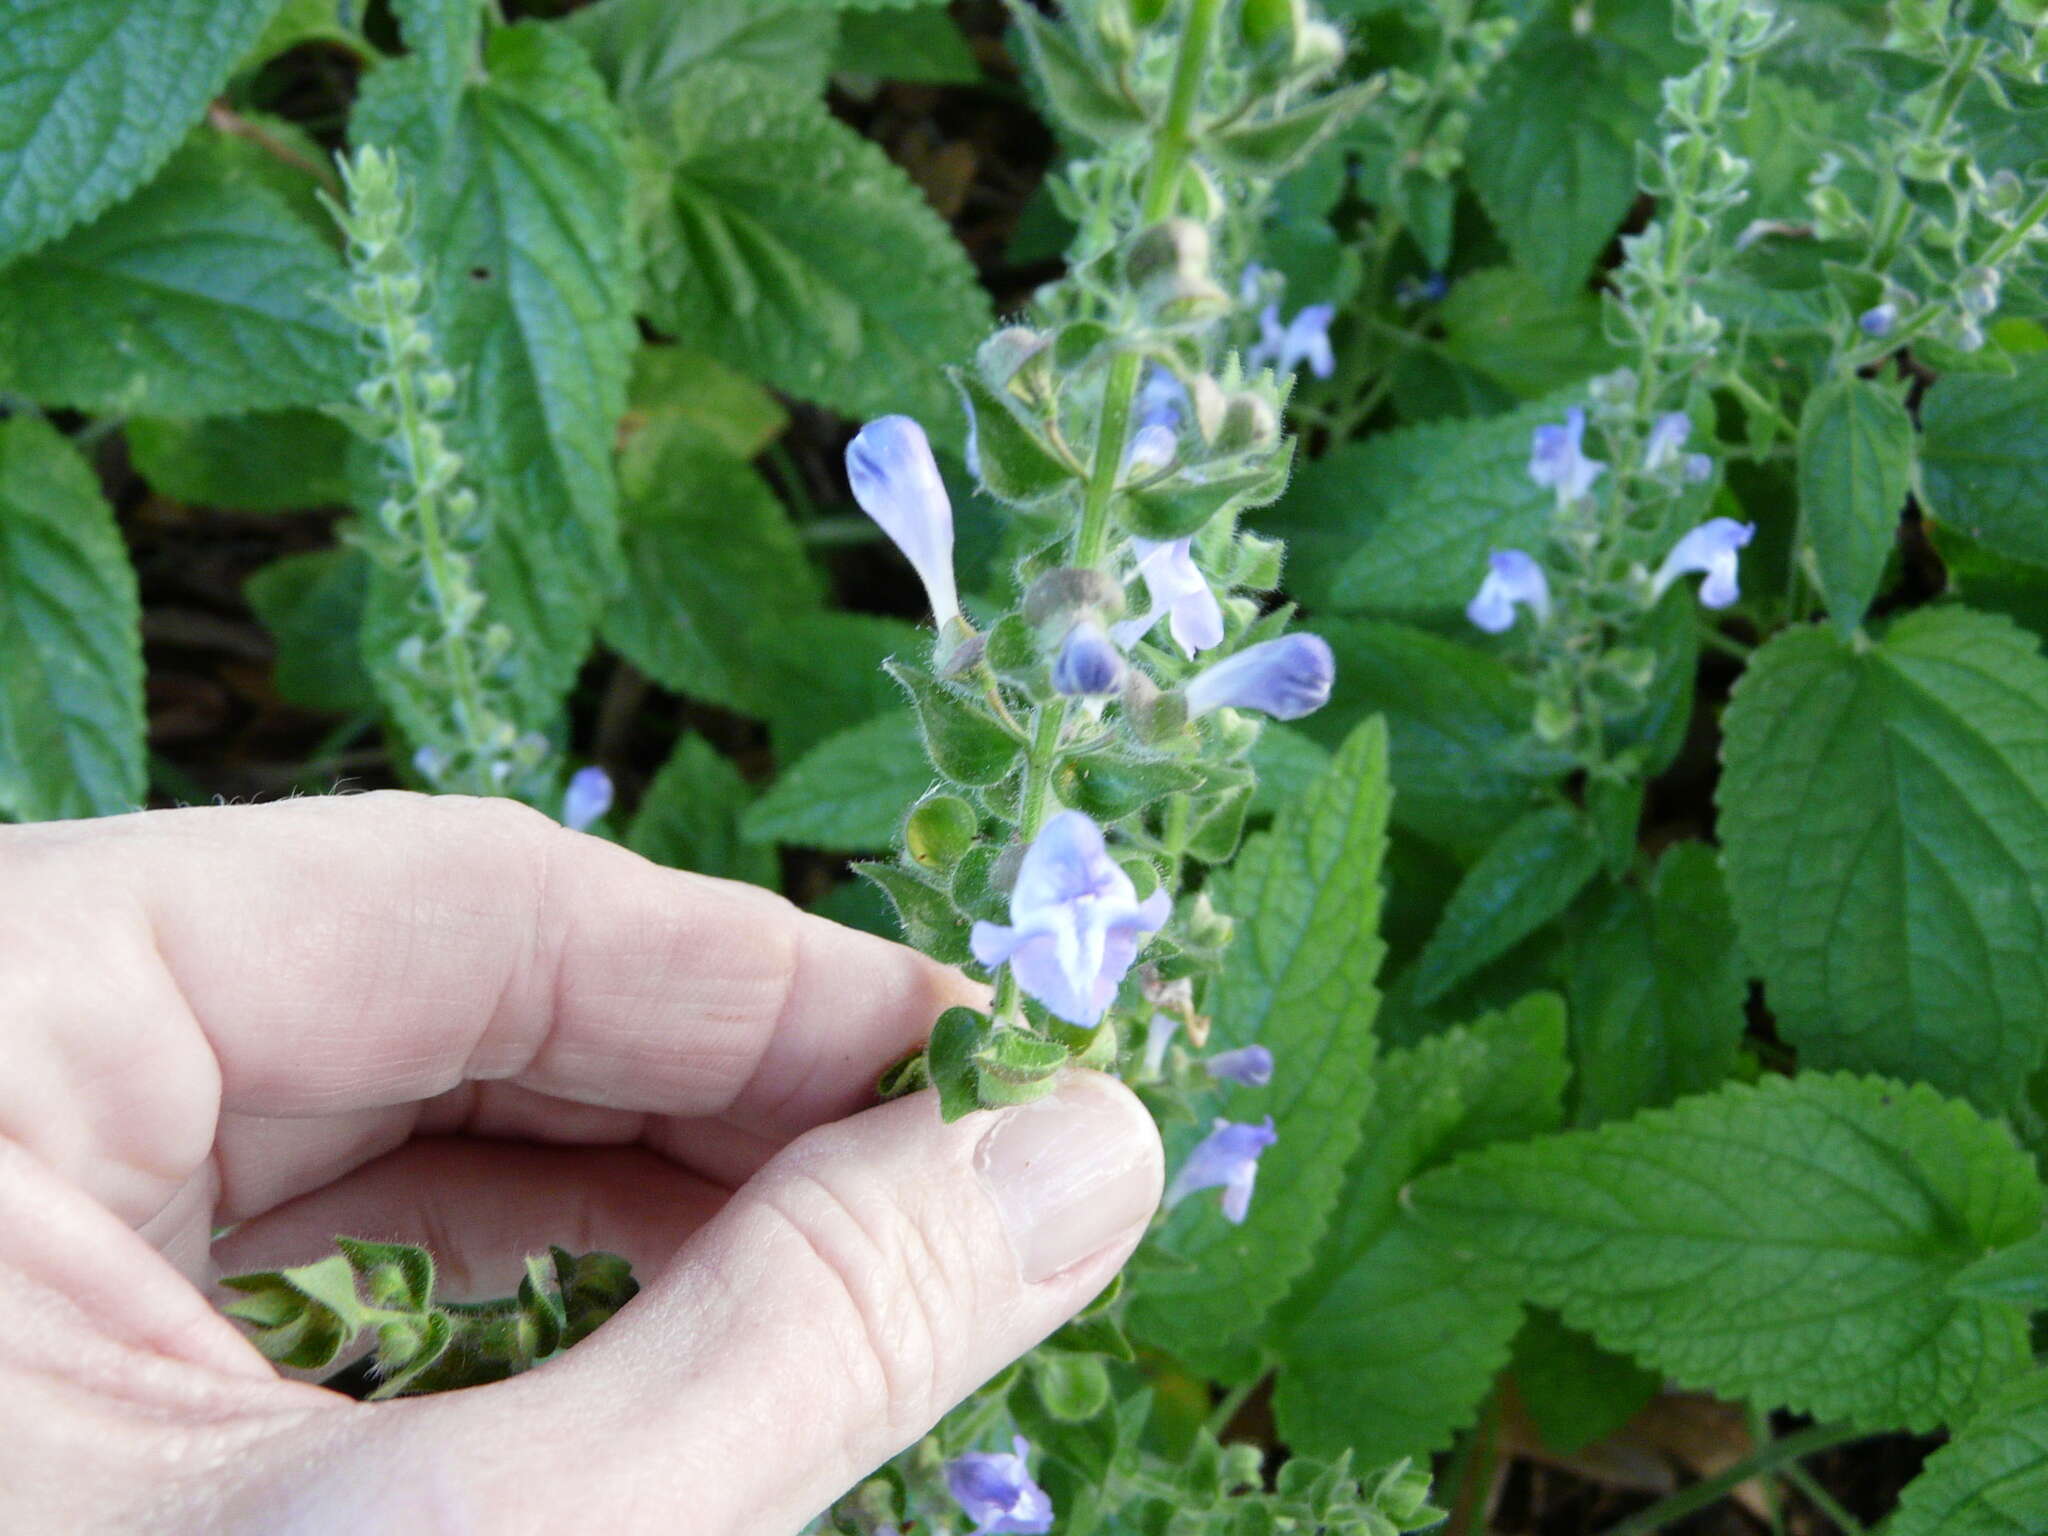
587, 799
1088, 664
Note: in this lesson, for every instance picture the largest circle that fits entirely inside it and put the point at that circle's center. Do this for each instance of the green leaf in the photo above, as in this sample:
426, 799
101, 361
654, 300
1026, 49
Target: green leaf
712, 567
1991, 1479
1575, 1391
71, 720
1855, 466
849, 793
447, 37
1657, 990
1883, 811
923, 45
967, 746
1301, 981
1984, 461
1552, 149
98, 94
1526, 877
2018, 1273
1788, 1243
522, 220
790, 247
677, 382
1505, 324
818, 673
270, 461
1387, 1346
1465, 766
646, 49
926, 917
312, 604
202, 294
1432, 503
690, 817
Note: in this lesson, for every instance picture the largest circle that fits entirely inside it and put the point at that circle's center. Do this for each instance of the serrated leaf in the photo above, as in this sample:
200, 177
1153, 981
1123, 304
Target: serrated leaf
1575, 1391
818, 673
849, 793
646, 49
269, 461
1506, 325
789, 246
1432, 503
690, 817
1984, 461
447, 37
312, 604
1991, 1479
712, 567
968, 746
98, 93
1387, 1347
202, 294
1465, 767
1527, 876
1657, 990
522, 220
1788, 1243
923, 44
1301, 980
1855, 464
1884, 812
2018, 1273
71, 720
1552, 148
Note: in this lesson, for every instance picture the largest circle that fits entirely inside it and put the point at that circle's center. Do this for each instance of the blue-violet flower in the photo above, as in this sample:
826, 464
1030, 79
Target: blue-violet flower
896, 481
1226, 1159
1557, 457
997, 1493
1179, 593
587, 798
1153, 447
1249, 1066
1304, 339
1710, 549
1285, 678
1877, 321
1512, 577
1088, 663
1076, 921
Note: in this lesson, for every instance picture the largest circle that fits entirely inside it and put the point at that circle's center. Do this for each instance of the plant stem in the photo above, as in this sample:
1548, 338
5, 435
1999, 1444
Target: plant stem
1810, 1488
1781, 1453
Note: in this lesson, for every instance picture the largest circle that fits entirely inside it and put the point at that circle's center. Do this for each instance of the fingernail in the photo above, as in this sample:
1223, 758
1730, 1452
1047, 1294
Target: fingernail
1071, 1173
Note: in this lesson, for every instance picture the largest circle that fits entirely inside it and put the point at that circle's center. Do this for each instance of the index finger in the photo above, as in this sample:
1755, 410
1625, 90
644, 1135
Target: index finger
335, 954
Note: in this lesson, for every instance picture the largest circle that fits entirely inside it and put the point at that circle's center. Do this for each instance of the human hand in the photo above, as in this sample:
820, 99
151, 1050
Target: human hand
452, 1022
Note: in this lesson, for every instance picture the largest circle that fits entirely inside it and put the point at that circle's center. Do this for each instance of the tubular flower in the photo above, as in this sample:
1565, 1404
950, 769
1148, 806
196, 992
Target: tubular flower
1304, 339
1075, 921
1088, 663
1179, 593
1285, 678
1557, 457
995, 1490
896, 481
1226, 1159
1249, 1066
1712, 550
1512, 578
588, 797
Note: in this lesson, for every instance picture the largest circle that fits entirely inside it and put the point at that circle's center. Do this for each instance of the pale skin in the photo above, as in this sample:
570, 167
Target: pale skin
453, 1022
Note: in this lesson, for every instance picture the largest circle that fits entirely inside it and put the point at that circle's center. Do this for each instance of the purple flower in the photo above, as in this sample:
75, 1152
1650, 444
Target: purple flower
1557, 457
896, 481
1077, 920
1667, 436
1226, 1159
1304, 339
997, 1493
1710, 549
588, 797
1249, 1066
1877, 321
1162, 400
1285, 678
1512, 577
1158, 1036
1248, 282
1179, 593
1088, 663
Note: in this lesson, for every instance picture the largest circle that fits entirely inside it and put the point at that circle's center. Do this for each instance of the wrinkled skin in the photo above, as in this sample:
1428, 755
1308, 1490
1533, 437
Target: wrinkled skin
453, 1022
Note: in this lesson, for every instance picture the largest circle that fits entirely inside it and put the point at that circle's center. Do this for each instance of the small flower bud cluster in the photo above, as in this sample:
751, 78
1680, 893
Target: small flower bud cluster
446, 681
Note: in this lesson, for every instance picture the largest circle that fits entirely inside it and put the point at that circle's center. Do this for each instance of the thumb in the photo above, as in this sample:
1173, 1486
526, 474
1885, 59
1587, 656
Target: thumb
867, 1279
